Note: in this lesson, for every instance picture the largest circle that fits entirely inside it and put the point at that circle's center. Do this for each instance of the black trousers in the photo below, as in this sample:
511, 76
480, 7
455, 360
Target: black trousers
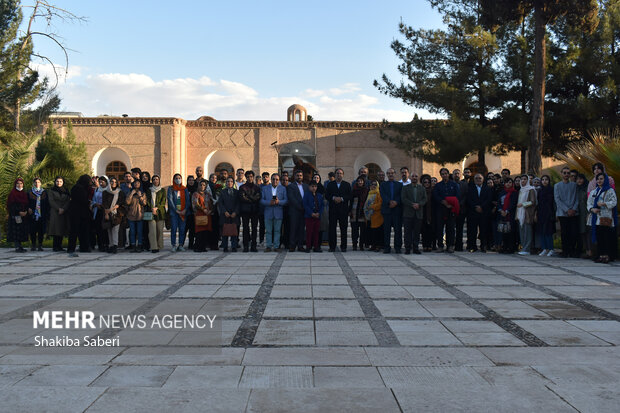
57, 242
449, 223
297, 231
201, 241
428, 234
476, 226
261, 226
376, 237
359, 233
412, 232
604, 240
37, 229
249, 222
460, 224
340, 218
568, 228
190, 228
79, 229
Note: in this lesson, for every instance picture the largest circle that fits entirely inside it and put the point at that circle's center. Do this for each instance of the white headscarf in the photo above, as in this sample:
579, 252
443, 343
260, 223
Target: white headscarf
524, 194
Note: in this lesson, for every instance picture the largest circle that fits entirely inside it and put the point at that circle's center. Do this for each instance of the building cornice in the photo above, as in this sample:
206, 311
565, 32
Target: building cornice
105, 120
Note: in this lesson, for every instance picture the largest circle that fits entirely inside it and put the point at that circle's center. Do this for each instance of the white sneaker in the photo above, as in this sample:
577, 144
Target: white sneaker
524, 253
543, 253
180, 248
551, 253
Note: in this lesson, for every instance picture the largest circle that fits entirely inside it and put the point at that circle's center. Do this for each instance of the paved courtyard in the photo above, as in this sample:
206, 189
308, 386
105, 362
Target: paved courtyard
323, 332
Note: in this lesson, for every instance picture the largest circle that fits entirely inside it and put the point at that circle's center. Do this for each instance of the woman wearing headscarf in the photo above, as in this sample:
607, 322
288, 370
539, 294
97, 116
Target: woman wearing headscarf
17, 207
583, 243
324, 226
599, 168
359, 230
213, 237
490, 216
145, 176
526, 210
506, 209
59, 199
372, 211
134, 204
228, 207
428, 224
156, 205
38, 209
101, 234
202, 204
113, 206
601, 203
545, 216
79, 216
179, 204
189, 218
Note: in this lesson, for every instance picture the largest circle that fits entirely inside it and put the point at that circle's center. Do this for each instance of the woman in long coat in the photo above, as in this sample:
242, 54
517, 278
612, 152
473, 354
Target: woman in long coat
59, 198
79, 215
38, 209
17, 208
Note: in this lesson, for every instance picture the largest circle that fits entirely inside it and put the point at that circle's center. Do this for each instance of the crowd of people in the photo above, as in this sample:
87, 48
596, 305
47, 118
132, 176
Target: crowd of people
499, 212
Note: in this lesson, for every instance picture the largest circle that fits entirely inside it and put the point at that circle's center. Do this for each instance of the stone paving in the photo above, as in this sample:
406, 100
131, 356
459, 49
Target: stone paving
357, 331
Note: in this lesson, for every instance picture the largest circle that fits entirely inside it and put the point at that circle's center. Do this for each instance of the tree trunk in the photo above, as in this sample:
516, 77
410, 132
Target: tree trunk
523, 161
538, 101
16, 115
481, 159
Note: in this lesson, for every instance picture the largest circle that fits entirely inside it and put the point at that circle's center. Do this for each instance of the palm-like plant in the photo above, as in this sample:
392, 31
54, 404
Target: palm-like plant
599, 146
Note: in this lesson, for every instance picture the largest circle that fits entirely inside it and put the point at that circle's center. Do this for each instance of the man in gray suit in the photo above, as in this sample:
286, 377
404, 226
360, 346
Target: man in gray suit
295, 193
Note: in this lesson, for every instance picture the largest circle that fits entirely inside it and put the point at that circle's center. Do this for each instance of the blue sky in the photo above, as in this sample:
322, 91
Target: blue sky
233, 59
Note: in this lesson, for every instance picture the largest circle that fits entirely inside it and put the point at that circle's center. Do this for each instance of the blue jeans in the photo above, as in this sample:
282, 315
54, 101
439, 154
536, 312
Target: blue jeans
547, 242
176, 223
389, 221
234, 241
273, 227
135, 226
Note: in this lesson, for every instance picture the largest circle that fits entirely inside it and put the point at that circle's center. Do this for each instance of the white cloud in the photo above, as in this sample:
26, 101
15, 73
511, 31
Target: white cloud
139, 95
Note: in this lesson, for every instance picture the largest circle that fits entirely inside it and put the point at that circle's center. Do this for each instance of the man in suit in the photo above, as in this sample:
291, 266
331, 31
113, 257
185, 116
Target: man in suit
338, 194
295, 193
273, 199
414, 199
446, 196
479, 199
460, 219
392, 211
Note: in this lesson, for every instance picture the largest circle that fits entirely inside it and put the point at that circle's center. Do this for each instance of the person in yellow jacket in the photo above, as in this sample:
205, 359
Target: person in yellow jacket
372, 210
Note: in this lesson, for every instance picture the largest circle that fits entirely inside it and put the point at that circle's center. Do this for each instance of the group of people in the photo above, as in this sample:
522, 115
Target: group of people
298, 212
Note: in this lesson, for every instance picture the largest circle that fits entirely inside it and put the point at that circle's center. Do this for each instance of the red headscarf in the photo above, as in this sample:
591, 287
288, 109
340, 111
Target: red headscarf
18, 197
509, 192
181, 190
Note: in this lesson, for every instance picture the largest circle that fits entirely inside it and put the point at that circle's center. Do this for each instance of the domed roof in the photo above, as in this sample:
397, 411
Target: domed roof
296, 106
206, 119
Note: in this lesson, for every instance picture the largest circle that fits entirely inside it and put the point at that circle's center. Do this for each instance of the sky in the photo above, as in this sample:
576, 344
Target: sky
233, 60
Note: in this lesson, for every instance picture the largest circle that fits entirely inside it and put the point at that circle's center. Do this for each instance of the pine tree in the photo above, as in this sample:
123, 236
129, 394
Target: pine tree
63, 154
452, 73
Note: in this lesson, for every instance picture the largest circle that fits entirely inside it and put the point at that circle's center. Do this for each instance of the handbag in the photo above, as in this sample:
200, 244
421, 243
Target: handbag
605, 221
229, 230
504, 227
202, 220
18, 219
147, 216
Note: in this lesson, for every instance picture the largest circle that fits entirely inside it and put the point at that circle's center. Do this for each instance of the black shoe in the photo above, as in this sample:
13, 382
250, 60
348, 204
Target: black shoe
307, 250
473, 250
398, 251
417, 251
387, 251
332, 250
343, 249
154, 251
317, 250
407, 251
114, 250
234, 250
134, 249
20, 250
302, 249
253, 249
246, 249
483, 250
291, 249
40, 248
225, 249
355, 248
33, 248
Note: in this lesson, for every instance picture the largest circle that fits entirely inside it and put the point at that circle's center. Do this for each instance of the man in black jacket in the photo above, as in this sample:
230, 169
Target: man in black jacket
295, 192
249, 200
338, 194
479, 199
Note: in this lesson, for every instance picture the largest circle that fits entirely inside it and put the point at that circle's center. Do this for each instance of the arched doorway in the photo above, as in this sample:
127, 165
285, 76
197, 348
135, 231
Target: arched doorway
298, 155
373, 169
116, 169
224, 165
107, 157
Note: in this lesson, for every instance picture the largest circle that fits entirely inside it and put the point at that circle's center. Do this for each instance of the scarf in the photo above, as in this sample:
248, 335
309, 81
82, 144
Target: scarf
370, 199
37, 208
524, 194
114, 192
154, 190
361, 193
180, 201
17, 197
509, 193
598, 192
62, 190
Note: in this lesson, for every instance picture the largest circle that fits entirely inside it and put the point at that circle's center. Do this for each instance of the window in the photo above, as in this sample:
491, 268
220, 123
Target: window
225, 165
373, 169
116, 169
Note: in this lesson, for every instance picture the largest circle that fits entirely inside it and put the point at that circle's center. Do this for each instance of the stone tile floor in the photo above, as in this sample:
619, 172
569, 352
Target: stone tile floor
323, 332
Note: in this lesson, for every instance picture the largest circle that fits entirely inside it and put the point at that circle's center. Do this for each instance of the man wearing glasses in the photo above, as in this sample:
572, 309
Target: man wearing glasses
567, 204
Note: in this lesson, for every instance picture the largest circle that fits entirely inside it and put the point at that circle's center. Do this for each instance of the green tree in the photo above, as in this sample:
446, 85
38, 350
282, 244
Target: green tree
580, 14
63, 154
452, 73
